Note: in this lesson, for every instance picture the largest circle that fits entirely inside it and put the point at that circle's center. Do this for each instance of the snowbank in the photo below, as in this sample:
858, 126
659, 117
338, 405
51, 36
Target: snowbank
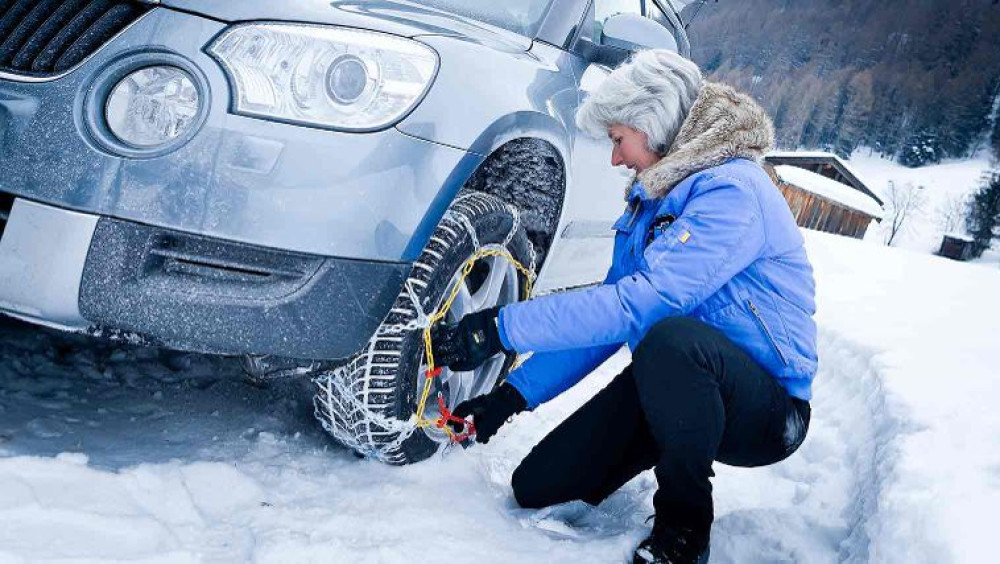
114, 453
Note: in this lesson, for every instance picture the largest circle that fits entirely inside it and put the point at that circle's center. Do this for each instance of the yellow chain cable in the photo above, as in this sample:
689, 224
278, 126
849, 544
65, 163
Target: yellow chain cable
437, 316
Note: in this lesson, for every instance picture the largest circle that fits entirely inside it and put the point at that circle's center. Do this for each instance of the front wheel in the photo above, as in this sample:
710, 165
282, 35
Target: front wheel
369, 403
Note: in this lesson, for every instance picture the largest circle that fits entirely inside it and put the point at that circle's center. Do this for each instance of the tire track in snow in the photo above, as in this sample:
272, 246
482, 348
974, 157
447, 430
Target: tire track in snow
869, 437
822, 504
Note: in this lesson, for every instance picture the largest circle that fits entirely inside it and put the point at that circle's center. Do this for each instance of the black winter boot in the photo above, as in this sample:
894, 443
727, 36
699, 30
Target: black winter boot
672, 546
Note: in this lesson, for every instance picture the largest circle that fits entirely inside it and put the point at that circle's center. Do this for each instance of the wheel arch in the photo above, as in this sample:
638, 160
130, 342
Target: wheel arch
521, 158
530, 173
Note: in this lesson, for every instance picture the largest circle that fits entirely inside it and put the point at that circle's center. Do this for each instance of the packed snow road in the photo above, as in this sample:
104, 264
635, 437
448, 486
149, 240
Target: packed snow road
113, 452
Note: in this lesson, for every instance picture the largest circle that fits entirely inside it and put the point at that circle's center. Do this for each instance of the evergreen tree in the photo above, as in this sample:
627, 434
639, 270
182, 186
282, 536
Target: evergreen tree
920, 149
983, 219
856, 118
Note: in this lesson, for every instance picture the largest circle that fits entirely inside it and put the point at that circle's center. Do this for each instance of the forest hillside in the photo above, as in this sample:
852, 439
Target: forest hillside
917, 80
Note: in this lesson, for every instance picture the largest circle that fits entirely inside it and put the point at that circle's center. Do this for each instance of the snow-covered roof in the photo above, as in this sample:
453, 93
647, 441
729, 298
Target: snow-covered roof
841, 163
960, 237
814, 155
809, 154
829, 189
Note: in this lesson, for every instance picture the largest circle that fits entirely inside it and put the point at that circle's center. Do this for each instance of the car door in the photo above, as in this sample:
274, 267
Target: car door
595, 189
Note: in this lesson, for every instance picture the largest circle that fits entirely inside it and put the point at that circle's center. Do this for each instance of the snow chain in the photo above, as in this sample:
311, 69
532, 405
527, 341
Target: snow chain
336, 385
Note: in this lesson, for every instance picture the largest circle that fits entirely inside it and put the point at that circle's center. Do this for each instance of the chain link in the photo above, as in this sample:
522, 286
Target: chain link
421, 321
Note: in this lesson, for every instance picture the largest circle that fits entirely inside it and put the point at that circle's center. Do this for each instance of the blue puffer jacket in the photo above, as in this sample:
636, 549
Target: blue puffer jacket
733, 258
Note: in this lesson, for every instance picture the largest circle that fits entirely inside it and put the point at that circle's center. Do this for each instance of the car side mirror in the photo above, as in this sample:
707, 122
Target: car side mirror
624, 34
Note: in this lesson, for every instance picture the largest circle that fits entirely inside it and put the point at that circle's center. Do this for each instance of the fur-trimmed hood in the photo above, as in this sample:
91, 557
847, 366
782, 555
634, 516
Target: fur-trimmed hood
722, 124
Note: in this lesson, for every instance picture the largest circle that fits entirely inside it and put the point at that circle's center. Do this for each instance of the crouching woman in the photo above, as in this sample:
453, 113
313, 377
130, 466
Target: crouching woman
710, 288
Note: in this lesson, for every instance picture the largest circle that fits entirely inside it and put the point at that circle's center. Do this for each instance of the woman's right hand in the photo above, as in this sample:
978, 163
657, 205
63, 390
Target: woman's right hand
469, 343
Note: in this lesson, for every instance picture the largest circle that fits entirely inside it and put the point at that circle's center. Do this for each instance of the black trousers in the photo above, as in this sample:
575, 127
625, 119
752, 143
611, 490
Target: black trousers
690, 397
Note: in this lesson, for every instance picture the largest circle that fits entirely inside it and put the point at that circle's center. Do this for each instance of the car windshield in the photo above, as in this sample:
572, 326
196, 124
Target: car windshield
520, 16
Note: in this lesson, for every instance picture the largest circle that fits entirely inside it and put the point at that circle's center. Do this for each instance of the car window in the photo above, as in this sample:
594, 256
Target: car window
657, 15
520, 16
604, 9
670, 20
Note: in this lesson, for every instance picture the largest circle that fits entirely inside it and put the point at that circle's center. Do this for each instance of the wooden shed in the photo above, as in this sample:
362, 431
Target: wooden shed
823, 193
956, 246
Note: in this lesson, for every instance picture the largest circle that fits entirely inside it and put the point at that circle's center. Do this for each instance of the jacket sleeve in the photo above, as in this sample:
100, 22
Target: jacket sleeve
546, 375
718, 234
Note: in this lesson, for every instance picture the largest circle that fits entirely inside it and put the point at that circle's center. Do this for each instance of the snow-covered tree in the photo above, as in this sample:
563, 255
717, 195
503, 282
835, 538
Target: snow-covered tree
983, 220
952, 213
920, 149
902, 203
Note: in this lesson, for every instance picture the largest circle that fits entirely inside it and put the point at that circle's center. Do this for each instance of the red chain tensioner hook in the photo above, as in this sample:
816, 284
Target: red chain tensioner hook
447, 416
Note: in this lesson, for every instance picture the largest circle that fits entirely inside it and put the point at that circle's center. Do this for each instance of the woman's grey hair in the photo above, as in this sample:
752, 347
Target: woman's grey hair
652, 92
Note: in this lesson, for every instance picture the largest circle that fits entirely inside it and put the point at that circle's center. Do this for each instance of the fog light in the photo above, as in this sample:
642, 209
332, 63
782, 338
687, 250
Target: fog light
152, 106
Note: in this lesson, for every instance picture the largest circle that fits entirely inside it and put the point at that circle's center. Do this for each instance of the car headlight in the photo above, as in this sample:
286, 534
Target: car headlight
321, 75
152, 106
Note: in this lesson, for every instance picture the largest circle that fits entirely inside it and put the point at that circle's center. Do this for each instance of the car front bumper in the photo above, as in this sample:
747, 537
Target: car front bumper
112, 277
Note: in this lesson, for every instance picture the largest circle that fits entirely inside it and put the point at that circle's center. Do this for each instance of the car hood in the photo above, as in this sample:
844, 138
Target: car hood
398, 18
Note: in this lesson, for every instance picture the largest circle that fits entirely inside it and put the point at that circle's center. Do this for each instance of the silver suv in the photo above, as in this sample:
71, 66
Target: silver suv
273, 179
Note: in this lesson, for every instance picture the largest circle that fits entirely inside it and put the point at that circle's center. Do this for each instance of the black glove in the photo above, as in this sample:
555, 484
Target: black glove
467, 344
490, 411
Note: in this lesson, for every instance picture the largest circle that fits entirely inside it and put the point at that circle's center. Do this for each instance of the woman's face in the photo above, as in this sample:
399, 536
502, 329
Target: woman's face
631, 148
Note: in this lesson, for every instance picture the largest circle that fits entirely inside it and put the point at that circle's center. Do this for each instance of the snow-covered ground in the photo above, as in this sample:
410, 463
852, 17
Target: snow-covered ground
942, 188
118, 453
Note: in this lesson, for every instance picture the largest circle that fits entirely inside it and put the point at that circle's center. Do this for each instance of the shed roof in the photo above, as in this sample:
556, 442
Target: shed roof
809, 154
811, 157
960, 237
829, 189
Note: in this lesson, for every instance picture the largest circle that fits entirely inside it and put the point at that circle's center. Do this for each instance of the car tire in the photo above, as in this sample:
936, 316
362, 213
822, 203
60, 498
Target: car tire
368, 404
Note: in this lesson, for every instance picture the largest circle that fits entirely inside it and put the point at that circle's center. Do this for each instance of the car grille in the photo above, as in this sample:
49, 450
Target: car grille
45, 37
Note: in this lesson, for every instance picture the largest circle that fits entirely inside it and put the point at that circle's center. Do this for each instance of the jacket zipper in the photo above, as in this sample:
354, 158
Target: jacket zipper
760, 321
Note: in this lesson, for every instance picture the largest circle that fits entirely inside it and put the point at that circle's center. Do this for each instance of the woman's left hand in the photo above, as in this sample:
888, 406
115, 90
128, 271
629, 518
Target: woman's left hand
490, 411
469, 343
